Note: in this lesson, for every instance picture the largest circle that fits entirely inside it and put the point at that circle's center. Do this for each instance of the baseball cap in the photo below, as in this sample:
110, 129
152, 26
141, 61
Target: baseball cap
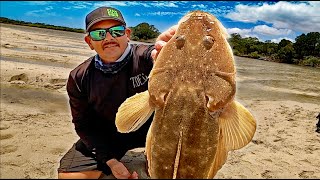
103, 13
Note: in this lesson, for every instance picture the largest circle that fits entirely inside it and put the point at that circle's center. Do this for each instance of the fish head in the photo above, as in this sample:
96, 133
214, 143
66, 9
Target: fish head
198, 54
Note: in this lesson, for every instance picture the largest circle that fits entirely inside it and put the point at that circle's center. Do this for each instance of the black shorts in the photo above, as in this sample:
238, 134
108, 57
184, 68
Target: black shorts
79, 159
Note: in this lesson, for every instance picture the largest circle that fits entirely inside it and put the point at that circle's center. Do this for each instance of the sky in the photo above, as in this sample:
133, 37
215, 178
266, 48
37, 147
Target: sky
265, 20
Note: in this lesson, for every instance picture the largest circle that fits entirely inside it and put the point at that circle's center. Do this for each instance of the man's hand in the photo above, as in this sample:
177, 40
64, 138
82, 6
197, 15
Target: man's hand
120, 171
162, 39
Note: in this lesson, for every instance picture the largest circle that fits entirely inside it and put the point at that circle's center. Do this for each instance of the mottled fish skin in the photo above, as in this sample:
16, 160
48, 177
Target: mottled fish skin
192, 80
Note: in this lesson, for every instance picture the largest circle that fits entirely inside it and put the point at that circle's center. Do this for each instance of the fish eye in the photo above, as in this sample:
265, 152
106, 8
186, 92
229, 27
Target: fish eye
208, 42
180, 40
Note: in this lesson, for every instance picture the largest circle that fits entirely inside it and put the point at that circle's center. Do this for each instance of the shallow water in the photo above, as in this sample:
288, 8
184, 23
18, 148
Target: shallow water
264, 80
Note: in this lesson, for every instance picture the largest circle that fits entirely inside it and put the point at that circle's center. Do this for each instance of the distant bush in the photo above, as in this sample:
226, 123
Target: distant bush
254, 55
236, 52
40, 25
310, 61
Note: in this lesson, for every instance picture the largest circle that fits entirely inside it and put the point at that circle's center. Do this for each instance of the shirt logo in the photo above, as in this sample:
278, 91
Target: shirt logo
139, 80
112, 13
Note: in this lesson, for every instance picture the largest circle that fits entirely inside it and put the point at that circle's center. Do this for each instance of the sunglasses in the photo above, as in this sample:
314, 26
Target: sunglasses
100, 34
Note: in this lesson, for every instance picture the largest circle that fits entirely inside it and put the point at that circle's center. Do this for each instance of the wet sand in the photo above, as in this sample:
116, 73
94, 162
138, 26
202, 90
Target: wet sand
36, 128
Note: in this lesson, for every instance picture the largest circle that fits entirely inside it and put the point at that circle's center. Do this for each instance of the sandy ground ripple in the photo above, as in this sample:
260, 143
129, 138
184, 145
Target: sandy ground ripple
36, 128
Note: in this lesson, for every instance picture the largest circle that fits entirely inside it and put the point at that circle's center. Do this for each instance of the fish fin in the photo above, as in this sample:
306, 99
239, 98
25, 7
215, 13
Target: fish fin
134, 112
237, 126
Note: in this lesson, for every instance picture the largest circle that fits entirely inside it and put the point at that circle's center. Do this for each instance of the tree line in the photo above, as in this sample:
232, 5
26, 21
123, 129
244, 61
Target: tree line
39, 25
304, 51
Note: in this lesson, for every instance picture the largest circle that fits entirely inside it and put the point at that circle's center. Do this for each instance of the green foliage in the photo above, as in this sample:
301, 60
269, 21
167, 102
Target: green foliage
39, 25
307, 45
144, 31
254, 55
311, 61
285, 54
305, 51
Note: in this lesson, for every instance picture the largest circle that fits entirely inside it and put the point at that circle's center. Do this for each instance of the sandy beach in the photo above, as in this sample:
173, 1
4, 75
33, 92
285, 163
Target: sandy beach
36, 128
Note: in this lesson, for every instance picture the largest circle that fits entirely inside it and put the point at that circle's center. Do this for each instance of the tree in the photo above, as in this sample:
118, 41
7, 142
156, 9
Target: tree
144, 31
285, 54
306, 45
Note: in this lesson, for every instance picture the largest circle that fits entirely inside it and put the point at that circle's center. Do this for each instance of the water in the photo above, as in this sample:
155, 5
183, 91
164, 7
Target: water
265, 80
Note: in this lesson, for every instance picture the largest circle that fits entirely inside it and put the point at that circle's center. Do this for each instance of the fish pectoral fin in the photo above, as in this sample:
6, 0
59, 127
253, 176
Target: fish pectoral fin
237, 126
134, 112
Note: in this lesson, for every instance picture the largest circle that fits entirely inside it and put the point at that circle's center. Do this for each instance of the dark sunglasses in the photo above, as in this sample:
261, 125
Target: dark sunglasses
100, 34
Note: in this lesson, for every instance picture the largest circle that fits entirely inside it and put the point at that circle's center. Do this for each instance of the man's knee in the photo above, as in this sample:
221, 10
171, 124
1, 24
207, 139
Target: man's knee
80, 175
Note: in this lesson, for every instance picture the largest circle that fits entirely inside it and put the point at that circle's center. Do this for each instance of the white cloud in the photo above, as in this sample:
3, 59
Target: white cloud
220, 11
162, 13
277, 40
200, 6
40, 13
80, 5
242, 32
36, 3
302, 16
137, 14
262, 32
48, 8
271, 31
163, 4
111, 3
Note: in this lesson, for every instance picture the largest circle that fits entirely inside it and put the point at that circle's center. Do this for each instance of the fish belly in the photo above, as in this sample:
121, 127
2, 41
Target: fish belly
184, 137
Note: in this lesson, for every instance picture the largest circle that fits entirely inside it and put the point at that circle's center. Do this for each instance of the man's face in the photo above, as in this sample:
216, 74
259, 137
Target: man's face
110, 48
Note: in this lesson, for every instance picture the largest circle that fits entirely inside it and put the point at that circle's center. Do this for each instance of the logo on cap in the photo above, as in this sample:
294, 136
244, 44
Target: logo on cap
112, 13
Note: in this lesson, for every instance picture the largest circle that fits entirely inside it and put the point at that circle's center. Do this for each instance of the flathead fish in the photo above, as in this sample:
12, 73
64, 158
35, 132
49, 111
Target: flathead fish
192, 90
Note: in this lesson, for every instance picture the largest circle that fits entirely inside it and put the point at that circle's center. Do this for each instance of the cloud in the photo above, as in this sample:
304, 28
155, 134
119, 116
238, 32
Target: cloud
137, 14
242, 32
37, 3
40, 13
270, 31
163, 4
48, 8
263, 32
200, 6
220, 11
162, 13
277, 40
80, 5
297, 16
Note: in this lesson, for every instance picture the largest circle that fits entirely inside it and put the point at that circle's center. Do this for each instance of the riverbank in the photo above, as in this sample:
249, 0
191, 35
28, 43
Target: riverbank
36, 129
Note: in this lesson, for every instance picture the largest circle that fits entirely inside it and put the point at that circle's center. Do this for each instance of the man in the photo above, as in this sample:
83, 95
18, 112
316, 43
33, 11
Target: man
96, 89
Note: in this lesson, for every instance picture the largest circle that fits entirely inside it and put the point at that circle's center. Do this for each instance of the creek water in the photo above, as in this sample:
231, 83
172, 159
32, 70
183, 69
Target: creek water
264, 80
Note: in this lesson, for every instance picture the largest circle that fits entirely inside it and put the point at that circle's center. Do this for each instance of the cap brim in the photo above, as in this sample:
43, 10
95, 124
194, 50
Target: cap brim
102, 19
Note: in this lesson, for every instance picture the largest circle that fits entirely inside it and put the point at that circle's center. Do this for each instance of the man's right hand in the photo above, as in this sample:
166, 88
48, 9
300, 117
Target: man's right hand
120, 171
162, 39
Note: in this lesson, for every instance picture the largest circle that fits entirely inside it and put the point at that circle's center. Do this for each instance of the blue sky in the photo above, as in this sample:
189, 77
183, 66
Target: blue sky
266, 20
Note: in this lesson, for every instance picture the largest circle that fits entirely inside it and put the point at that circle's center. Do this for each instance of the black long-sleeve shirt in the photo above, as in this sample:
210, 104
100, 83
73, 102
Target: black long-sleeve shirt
95, 96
